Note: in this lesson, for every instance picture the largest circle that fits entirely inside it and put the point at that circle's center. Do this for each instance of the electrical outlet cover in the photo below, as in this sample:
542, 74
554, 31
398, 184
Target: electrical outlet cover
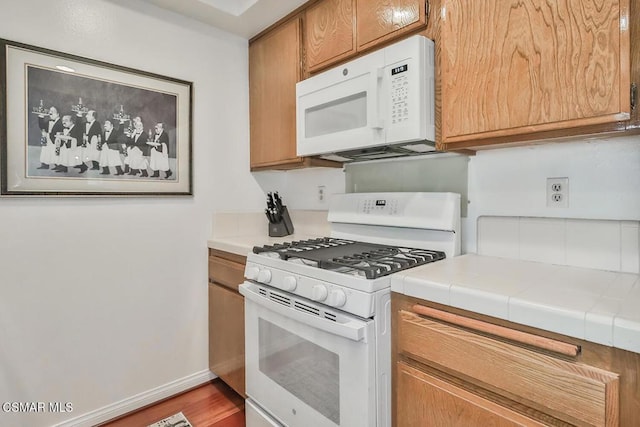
558, 192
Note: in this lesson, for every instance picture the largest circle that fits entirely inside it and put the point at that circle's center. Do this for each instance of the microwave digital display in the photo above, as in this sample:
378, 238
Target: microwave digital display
381, 203
400, 69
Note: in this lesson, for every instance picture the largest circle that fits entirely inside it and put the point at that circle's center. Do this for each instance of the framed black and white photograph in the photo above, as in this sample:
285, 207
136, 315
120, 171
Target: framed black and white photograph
74, 126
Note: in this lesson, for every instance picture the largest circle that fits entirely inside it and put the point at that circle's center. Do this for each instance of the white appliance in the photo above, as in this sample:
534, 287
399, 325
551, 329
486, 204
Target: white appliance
318, 315
377, 106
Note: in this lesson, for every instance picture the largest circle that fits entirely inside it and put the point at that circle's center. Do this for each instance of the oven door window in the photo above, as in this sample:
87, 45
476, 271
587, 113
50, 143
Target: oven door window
304, 369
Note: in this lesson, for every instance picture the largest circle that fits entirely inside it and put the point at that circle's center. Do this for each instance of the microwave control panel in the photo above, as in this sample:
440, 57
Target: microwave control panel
399, 94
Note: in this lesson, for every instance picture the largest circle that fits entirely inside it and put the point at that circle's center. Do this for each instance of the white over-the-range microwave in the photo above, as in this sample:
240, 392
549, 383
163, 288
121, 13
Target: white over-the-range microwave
380, 105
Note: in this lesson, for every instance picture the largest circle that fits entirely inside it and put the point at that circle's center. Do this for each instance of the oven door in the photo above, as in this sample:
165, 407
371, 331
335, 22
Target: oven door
308, 365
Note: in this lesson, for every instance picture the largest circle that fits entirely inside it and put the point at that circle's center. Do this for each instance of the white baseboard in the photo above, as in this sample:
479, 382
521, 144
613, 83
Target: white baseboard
130, 404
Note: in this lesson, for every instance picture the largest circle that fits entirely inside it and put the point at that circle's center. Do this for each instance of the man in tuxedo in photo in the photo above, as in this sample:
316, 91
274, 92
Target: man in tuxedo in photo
49, 126
110, 149
138, 150
71, 145
159, 156
92, 137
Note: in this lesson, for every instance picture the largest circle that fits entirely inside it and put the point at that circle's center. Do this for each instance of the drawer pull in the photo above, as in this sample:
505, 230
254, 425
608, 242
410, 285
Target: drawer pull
499, 331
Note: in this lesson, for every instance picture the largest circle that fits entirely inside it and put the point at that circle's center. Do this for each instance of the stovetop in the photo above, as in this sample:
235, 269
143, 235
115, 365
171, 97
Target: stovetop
374, 236
363, 259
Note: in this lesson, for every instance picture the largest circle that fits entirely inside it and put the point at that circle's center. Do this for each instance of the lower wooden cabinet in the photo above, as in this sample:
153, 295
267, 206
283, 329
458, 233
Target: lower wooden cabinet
226, 319
426, 400
456, 368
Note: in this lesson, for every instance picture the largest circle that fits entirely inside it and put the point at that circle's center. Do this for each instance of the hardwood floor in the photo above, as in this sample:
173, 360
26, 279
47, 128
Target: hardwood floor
211, 405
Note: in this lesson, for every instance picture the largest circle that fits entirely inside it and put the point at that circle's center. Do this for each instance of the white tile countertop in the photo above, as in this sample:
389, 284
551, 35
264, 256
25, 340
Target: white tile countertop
593, 305
242, 245
238, 233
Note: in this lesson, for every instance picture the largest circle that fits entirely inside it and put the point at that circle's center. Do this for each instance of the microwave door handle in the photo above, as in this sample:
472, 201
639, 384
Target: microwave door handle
353, 330
377, 122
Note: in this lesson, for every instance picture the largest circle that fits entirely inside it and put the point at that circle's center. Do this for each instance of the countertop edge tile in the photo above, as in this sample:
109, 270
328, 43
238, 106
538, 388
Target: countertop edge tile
466, 283
626, 334
549, 318
479, 301
431, 291
397, 284
228, 245
598, 328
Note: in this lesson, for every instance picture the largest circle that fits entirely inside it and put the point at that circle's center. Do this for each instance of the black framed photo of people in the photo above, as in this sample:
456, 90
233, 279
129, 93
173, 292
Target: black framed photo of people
72, 126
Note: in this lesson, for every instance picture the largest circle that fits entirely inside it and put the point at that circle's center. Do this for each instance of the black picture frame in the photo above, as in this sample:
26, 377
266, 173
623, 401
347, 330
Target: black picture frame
145, 149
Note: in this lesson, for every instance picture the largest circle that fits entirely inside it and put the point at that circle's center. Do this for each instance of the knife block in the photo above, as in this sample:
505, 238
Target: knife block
282, 228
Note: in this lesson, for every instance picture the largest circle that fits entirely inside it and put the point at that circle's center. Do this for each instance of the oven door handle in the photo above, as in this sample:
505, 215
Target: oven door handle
353, 330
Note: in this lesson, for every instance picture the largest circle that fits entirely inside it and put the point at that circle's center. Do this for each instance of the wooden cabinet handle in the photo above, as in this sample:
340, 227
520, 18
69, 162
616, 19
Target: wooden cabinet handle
426, 11
499, 331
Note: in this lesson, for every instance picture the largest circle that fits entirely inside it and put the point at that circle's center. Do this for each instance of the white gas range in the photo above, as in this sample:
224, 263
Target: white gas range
317, 312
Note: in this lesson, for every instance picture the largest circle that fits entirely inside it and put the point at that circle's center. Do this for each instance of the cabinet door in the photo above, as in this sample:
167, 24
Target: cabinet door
515, 67
424, 400
381, 20
226, 272
329, 33
634, 34
274, 70
537, 380
226, 336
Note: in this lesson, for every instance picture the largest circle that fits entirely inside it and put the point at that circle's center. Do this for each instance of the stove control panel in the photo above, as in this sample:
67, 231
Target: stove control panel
347, 299
264, 276
429, 211
336, 298
289, 283
319, 293
251, 272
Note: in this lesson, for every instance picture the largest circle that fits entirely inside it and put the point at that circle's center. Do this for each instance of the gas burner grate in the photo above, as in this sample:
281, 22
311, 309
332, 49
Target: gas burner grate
288, 249
347, 256
383, 262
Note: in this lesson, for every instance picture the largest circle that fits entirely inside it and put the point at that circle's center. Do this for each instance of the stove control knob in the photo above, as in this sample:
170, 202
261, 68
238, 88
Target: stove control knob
319, 293
251, 273
336, 298
264, 276
289, 283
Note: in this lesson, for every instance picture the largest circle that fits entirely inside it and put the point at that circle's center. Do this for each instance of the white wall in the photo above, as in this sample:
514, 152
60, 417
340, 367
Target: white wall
105, 299
299, 187
604, 181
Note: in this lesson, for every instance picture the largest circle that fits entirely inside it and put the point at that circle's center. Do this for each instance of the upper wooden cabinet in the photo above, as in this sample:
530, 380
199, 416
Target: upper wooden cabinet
520, 70
338, 29
329, 32
274, 69
381, 20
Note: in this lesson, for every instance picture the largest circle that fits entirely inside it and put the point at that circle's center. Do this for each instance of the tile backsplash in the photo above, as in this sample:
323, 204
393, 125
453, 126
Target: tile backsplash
599, 244
233, 224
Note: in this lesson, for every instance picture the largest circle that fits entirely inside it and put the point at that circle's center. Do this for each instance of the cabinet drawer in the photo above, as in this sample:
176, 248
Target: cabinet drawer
569, 391
225, 272
226, 336
448, 405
